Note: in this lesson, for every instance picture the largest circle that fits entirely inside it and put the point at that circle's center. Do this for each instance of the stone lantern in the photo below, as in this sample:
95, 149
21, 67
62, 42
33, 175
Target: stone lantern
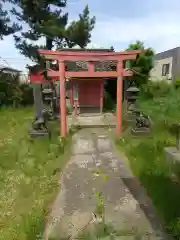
130, 102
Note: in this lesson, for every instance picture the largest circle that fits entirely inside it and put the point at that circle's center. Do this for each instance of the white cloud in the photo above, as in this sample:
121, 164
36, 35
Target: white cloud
161, 31
158, 29
10, 56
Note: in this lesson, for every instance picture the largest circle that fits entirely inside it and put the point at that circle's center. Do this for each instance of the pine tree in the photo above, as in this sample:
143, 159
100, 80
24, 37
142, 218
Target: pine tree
79, 32
143, 64
6, 27
45, 18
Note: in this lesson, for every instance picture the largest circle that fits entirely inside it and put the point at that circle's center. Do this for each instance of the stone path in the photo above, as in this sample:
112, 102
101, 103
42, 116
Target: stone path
96, 167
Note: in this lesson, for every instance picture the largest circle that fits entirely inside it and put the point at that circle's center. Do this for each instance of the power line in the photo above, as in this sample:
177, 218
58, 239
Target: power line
5, 61
7, 64
16, 61
15, 58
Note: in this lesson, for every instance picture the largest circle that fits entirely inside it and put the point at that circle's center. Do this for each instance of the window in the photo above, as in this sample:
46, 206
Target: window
165, 69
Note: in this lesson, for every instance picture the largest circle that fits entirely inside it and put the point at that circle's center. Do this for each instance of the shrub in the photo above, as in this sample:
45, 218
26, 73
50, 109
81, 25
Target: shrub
27, 94
177, 83
14, 93
156, 89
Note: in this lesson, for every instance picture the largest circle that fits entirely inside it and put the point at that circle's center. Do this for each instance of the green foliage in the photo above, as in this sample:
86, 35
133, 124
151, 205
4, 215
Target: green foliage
6, 27
164, 108
143, 64
175, 227
177, 83
27, 94
156, 89
147, 158
29, 171
47, 19
13, 93
100, 208
79, 32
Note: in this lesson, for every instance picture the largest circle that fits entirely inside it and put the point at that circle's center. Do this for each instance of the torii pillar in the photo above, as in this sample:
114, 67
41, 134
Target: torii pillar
119, 98
63, 122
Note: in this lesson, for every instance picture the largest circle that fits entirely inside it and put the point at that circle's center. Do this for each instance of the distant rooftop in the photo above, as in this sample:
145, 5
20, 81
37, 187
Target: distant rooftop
170, 49
8, 69
167, 53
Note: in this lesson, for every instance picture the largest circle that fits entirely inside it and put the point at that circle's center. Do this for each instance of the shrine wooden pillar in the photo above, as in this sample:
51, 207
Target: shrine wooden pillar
119, 98
101, 95
63, 123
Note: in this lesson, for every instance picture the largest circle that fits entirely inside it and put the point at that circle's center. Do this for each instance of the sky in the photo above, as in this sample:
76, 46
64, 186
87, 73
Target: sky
118, 23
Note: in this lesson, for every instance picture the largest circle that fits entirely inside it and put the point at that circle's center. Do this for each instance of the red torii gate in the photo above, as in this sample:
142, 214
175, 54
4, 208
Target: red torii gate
90, 58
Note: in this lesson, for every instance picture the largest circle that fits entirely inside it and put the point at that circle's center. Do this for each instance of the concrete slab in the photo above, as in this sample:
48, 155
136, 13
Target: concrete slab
95, 167
110, 119
92, 121
83, 146
103, 144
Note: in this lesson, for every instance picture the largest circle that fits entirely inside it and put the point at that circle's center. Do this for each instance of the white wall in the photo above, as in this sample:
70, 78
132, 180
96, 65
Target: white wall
156, 72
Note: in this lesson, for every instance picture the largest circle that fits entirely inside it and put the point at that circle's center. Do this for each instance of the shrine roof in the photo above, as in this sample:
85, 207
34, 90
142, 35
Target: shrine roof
87, 49
82, 65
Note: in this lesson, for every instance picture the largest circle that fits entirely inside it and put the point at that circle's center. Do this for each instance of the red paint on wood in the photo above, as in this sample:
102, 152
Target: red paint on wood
71, 92
89, 54
119, 99
36, 77
90, 58
91, 74
39, 78
101, 96
89, 92
62, 99
90, 68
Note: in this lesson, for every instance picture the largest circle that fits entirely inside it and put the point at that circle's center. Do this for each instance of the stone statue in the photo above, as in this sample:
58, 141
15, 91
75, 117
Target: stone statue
142, 120
38, 126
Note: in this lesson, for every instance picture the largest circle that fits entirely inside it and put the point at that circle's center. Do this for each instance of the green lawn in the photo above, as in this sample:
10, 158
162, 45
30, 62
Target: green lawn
29, 172
147, 160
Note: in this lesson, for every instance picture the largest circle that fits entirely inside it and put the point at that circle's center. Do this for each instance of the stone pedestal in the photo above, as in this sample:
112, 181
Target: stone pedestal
39, 129
38, 133
140, 131
172, 155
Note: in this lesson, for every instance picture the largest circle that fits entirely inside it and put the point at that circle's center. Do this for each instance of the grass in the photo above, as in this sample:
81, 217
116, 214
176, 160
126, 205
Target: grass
29, 172
147, 160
